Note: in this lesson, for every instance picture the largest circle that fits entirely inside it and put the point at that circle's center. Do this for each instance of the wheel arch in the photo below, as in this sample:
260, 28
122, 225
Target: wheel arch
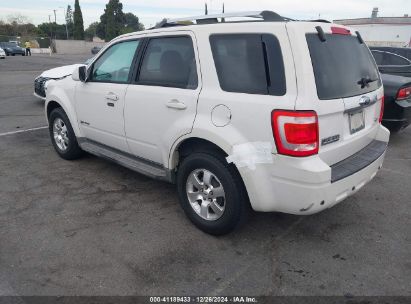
51, 105
54, 103
188, 145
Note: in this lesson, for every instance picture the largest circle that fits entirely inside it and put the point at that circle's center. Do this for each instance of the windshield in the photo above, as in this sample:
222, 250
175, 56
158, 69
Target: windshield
343, 67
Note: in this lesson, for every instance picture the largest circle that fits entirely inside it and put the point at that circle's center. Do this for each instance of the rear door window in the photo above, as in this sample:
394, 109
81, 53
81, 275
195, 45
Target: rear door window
394, 60
169, 62
249, 63
343, 67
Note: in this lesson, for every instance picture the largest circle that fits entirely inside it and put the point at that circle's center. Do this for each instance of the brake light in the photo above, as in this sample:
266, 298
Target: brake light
295, 132
404, 93
382, 109
340, 31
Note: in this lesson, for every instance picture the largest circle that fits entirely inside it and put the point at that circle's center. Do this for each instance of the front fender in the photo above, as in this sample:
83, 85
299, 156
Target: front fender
62, 92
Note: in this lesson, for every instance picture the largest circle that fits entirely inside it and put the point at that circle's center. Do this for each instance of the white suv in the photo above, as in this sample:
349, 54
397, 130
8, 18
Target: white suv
267, 112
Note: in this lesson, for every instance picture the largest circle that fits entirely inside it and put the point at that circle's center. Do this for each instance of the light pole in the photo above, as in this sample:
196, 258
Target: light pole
65, 18
51, 32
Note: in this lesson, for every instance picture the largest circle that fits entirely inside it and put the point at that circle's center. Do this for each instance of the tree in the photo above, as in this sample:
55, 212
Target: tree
132, 24
69, 20
20, 24
6, 29
101, 30
112, 21
91, 31
78, 32
69, 15
17, 18
58, 30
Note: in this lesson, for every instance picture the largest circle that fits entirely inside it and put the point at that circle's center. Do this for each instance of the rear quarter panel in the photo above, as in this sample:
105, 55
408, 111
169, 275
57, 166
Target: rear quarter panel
250, 113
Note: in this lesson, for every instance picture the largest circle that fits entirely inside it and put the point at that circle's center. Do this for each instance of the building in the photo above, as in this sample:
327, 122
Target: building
382, 31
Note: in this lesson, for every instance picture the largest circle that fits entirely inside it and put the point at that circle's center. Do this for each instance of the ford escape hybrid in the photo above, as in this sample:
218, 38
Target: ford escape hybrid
237, 110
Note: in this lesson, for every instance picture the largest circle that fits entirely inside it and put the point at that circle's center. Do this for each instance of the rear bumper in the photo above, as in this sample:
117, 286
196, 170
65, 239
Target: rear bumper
18, 52
308, 185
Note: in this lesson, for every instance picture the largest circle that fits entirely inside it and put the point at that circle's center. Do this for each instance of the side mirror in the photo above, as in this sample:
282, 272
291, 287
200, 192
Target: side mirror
79, 74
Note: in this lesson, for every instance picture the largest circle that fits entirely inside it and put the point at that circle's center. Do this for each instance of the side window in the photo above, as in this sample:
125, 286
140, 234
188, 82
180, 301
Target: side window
115, 64
249, 63
392, 59
169, 62
378, 56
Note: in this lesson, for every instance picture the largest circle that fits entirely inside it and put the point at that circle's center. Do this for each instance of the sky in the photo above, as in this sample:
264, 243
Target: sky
152, 11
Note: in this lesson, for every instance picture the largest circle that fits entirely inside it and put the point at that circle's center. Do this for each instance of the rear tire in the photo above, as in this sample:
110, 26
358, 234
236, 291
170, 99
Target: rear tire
62, 135
216, 207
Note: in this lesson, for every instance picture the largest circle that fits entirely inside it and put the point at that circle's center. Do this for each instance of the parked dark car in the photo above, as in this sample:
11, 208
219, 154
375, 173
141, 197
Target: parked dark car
403, 51
95, 50
397, 102
12, 49
391, 63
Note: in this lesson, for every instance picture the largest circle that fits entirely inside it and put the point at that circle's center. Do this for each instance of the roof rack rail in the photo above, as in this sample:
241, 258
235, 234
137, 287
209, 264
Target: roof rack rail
267, 16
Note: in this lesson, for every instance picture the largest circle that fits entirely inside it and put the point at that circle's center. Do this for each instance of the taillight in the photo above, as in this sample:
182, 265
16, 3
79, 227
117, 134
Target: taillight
404, 93
295, 132
382, 109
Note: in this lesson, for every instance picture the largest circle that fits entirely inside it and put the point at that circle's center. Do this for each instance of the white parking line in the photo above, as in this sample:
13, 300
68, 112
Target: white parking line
23, 131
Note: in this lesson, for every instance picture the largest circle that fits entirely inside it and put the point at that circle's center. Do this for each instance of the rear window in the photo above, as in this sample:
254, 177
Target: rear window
343, 67
249, 63
8, 44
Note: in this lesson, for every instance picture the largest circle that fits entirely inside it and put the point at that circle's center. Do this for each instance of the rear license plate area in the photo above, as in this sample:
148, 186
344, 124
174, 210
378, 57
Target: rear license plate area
356, 121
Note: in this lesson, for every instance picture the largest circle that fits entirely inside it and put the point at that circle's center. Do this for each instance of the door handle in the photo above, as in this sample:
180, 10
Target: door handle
111, 96
176, 104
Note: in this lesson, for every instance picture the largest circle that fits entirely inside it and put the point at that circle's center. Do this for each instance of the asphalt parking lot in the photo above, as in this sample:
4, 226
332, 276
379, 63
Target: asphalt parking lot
90, 227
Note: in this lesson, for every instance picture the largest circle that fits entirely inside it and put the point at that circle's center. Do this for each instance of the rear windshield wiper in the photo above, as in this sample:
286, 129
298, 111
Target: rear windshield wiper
364, 82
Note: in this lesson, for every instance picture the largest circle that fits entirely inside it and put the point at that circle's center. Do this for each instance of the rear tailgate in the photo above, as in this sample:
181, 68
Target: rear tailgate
338, 78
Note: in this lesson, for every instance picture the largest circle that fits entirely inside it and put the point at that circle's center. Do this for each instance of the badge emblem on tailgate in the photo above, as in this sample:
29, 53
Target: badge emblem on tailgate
365, 101
329, 140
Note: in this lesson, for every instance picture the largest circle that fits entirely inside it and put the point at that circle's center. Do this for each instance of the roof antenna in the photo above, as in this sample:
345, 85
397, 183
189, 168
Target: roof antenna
223, 19
206, 9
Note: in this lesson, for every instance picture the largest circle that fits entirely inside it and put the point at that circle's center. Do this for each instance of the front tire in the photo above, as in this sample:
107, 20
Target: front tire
62, 135
211, 193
